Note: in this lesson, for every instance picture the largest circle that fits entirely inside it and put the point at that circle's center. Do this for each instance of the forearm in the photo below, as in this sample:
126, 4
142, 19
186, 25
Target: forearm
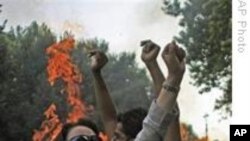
155, 124
167, 99
105, 104
160, 115
173, 132
156, 75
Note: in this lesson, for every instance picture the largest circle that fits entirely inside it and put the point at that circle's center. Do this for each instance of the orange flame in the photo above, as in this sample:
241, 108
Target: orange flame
188, 135
60, 66
49, 128
103, 137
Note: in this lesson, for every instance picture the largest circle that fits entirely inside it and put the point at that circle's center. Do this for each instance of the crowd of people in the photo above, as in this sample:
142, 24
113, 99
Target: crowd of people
159, 123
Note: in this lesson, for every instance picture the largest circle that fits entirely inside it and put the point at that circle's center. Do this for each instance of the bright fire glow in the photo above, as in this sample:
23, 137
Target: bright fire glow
50, 128
60, 66
187, 134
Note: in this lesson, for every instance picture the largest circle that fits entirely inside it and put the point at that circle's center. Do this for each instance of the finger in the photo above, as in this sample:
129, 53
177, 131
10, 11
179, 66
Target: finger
173, 42
176, 46
170, 52
144, 42
147, 47
179, 51
172, 48
181, 54
92, 52
183, 64
166, 49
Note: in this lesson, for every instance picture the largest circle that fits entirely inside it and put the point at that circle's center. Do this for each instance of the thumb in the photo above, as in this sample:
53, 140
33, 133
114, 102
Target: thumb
172, 49
181, 54
92, 53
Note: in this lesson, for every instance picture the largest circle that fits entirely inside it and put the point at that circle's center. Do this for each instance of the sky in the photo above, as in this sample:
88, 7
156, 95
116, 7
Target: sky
123, 23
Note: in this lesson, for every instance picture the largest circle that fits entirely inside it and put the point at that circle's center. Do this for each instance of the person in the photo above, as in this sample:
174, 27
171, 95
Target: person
129, 124
82, 130
149, 55
161, 110
115, 127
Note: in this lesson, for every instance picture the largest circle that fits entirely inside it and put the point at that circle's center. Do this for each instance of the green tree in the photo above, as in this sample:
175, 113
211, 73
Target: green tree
25, 92
206, 35
127, 83
24, 89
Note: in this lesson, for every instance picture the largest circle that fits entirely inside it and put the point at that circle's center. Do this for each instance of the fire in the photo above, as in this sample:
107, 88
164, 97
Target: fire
187, 134
49, 128
60, 66
103, 137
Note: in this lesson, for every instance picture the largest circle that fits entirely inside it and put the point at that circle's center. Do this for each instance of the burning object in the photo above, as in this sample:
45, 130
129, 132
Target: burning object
60, 66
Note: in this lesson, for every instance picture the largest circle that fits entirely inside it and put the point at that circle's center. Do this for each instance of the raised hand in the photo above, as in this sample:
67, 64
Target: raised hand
150, 51
174, 57
98, 60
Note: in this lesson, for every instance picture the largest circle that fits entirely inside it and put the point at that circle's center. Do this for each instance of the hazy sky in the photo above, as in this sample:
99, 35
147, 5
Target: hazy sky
123, 23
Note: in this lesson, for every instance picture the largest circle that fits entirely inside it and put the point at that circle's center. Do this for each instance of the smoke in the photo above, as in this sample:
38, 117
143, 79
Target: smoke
21, 11
57, 14
149, 12
72, 27
153, 24
123, 23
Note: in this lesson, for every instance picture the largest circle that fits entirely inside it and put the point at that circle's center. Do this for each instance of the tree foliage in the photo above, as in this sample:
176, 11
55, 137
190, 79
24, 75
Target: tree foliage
25, 92
206, 35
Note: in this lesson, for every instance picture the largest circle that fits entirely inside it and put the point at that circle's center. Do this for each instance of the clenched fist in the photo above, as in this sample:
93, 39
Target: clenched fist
150, 51
174, 57
97, 60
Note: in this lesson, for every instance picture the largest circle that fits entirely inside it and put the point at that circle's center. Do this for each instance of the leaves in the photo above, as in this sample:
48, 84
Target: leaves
25, 92
206, 35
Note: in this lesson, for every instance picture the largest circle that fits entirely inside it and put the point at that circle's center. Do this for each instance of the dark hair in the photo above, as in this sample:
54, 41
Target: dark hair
132, 121
81, 122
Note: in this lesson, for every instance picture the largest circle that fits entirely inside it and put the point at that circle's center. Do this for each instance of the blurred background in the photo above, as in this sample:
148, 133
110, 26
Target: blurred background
201, 27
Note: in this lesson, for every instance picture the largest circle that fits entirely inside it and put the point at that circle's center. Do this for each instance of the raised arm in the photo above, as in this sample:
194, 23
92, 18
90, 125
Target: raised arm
104, 101
161, 112
149, 54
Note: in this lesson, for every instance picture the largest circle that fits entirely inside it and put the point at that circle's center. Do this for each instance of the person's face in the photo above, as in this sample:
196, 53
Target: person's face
81, 133
119, 134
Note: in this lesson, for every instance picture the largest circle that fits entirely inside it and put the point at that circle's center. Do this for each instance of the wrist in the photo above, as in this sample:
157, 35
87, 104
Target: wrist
151, 63
171, 87
96, 72
174, 80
